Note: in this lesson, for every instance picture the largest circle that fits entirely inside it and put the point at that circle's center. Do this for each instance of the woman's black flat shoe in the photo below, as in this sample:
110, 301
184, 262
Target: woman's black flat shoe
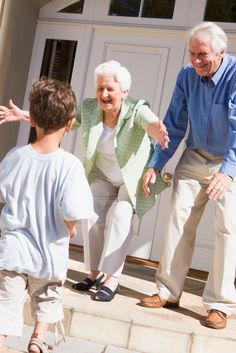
88, 283
105, 294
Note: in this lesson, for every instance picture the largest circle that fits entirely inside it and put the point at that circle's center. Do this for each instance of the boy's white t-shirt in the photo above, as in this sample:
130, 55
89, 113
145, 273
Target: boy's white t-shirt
39, 191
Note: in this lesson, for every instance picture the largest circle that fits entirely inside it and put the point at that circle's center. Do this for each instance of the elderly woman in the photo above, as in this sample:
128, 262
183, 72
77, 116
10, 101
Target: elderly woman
117, 147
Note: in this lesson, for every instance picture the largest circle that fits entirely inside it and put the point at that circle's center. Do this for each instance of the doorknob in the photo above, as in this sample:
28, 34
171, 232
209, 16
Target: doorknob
167, 177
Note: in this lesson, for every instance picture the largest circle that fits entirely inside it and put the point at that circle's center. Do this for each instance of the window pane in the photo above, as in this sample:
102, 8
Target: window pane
158, 9
220, 11
77, 7
124, 8
58, 59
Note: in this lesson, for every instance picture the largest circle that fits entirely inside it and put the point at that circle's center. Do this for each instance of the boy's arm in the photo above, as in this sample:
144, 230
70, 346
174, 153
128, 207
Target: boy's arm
71, 225
77, 200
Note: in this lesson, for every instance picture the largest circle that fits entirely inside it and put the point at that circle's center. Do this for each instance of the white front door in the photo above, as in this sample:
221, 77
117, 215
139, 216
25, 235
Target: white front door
153, 58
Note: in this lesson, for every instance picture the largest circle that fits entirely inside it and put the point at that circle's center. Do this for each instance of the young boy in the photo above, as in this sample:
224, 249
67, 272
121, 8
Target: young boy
45, 192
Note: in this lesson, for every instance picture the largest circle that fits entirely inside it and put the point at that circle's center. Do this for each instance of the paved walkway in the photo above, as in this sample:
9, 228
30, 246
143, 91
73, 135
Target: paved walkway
123, 326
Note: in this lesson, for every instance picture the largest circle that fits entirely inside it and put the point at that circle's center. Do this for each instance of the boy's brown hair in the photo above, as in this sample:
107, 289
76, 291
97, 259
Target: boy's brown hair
52, 104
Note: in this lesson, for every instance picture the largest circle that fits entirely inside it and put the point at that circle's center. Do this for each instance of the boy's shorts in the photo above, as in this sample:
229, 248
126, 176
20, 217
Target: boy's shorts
46, 304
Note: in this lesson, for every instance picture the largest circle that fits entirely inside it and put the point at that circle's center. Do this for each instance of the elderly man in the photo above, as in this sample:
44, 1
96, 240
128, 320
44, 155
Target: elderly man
205, 100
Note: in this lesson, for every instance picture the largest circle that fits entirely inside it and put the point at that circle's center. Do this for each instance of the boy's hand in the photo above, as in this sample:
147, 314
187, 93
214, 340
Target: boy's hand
71, 225
73, 232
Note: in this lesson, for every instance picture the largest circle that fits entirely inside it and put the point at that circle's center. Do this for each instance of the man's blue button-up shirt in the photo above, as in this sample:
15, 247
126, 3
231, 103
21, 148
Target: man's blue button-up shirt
209, 108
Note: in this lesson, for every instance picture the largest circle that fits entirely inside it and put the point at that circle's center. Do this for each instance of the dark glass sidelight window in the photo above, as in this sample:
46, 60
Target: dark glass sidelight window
58, 59
58, 63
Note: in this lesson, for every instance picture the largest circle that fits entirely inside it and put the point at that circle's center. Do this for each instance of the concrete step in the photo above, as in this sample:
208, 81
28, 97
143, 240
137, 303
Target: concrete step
122, 323
71, 345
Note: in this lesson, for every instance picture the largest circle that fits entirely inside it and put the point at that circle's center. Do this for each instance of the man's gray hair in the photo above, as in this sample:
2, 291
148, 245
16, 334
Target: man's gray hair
114, 69
217, 36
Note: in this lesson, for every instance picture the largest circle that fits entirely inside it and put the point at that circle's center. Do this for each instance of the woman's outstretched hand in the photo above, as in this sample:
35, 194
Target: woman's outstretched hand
163, 137
12, 113
158, 132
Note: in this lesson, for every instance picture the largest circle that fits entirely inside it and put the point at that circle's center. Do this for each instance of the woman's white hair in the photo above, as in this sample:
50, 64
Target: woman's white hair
114, 69
217, 36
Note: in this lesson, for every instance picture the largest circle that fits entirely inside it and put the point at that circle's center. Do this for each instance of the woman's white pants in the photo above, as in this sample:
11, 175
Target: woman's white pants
107, 241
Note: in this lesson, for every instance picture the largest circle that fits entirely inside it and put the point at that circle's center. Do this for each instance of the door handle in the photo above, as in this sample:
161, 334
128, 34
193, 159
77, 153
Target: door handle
167, 177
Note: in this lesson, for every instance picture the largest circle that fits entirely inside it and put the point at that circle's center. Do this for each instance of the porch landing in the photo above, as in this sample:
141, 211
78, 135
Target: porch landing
131, 328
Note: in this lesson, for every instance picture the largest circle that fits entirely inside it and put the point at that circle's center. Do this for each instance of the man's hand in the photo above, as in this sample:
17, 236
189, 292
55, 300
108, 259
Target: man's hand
218, 185
149, 178
12, 113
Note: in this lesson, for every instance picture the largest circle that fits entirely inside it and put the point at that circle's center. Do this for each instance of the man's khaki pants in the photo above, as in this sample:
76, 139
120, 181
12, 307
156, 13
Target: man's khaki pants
189, 199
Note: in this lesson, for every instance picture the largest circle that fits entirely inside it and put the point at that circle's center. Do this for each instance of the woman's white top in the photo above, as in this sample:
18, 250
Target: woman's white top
106, 160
